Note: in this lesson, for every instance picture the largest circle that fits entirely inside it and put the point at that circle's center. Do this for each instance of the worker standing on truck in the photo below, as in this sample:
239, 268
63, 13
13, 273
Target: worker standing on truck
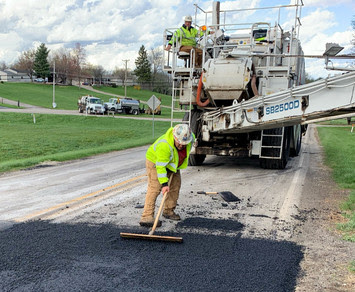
164, 159
187, 35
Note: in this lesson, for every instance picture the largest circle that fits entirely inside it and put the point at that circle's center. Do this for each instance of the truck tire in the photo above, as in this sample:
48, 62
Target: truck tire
135, 112
195, 159
80, 110
296, 140
282, 162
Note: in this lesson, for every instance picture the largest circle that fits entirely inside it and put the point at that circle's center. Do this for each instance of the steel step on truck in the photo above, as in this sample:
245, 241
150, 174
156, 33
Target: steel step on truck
250, 99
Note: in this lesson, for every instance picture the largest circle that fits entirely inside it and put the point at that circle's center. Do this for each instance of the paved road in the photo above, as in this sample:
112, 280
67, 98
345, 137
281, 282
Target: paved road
25, 193
231, 246
61, 225
30, 109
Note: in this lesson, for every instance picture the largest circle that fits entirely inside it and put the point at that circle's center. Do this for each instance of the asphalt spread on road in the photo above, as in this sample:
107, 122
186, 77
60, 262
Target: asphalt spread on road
43, 256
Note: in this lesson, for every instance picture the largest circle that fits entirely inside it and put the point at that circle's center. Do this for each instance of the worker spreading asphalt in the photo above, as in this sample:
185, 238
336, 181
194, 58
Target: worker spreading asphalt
43, 256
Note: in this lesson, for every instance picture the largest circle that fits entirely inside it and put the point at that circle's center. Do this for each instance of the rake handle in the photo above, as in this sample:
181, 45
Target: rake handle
207, 193
151, 232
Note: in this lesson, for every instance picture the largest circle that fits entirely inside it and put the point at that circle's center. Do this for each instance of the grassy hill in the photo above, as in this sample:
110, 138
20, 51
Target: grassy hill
66, 97
62, 137
140, 94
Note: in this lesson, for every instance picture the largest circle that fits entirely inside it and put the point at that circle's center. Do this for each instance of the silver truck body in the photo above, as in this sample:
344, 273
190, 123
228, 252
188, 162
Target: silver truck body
128, 106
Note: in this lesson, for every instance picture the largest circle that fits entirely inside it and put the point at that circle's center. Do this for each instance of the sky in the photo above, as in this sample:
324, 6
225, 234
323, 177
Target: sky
111, 31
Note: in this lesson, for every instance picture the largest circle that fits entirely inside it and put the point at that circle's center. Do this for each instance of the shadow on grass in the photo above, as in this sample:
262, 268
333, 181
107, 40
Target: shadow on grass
42, 256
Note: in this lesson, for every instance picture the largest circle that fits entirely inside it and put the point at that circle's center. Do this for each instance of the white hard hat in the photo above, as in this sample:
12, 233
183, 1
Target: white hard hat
188, 18
182, 134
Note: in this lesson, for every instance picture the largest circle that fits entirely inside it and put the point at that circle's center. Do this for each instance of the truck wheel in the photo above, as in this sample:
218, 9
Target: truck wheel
80, 110
89, 111
135, 112
282, 162
296, 140
195, 159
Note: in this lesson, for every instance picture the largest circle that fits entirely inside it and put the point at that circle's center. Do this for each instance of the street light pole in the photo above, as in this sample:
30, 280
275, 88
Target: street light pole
125, 78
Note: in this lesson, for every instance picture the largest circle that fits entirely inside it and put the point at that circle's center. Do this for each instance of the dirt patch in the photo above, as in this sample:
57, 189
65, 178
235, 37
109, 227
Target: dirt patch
326, 254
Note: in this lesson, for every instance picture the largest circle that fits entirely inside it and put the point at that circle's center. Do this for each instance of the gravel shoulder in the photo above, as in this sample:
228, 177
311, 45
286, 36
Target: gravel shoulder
326, 259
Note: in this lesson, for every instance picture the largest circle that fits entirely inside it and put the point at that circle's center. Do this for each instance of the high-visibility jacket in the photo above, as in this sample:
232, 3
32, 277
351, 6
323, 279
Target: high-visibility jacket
186, 37
164, 155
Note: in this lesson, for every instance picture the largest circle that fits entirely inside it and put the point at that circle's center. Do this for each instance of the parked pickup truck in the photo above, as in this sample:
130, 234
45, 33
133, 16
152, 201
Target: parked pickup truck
123, 105
91, 105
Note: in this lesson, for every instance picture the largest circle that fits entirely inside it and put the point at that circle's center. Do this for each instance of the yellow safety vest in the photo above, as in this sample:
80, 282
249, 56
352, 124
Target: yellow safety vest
186, 37
164, 155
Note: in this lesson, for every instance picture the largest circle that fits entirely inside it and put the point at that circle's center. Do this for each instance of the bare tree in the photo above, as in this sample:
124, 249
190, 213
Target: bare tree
121, 73
3, 65
79, 57
98, 72
26, 62
156, 59
65, 65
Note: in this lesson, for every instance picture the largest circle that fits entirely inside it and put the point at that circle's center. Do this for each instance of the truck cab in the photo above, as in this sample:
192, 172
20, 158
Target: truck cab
91, 105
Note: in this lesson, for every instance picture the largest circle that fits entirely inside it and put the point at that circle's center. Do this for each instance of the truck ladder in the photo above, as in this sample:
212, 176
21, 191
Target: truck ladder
182, 82
271, 143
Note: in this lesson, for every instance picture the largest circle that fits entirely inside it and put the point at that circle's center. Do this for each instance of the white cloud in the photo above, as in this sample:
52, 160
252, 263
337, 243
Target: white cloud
325, 3
316, 46
111, 55
316, 23
111, 30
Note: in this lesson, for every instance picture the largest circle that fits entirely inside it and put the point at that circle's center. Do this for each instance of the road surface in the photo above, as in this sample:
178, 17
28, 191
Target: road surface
60, 225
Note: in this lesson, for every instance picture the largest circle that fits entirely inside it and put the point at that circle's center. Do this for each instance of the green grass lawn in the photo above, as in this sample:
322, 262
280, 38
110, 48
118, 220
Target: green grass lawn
9, 105
59, 137
339, 147
338, 122
66, 97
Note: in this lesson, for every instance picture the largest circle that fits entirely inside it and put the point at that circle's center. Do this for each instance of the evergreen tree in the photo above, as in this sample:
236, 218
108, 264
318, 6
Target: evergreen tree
41, 65
143, 67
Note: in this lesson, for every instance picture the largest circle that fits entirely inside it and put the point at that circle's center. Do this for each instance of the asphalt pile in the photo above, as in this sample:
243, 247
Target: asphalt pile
210, 224
42, 256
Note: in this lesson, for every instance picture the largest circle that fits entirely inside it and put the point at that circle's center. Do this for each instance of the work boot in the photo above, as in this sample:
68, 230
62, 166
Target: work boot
148, 222
172, 216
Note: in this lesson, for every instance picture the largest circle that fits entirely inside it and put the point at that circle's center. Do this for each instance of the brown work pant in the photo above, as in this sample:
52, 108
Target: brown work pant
154, 189
198, 54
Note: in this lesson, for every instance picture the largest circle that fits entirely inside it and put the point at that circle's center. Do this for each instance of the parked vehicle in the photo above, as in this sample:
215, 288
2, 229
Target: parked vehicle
124, 105
91, 105
38, 80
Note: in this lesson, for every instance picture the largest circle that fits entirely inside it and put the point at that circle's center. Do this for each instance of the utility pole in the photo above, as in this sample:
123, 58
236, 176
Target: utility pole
125, 78
54, 104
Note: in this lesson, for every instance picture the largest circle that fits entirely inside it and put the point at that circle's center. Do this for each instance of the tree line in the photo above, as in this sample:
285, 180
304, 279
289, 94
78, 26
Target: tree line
70, 64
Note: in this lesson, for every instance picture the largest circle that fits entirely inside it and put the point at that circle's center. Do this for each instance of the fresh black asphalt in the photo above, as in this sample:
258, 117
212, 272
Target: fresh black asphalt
43, 256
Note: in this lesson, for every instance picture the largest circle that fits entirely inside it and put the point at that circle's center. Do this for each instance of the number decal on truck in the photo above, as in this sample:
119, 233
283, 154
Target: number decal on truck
282, 107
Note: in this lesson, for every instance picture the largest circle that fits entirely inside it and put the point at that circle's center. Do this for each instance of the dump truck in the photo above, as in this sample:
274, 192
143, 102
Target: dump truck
250, 99
123, 105
91, 105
